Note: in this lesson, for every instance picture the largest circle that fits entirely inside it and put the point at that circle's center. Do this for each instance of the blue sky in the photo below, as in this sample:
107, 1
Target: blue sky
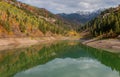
70, 6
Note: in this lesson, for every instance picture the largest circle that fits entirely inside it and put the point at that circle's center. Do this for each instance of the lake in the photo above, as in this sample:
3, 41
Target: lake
59, 59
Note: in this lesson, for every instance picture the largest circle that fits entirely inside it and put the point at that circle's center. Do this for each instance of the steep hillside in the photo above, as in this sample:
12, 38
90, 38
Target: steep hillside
43, 13
19, 20
107, 24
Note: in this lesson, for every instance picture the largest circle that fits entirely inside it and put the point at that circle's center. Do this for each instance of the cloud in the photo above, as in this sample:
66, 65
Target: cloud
69, 67
69, 6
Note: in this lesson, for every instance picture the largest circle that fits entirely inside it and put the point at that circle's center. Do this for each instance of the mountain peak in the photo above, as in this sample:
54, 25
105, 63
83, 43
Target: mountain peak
81, 16
83, 12
89, 12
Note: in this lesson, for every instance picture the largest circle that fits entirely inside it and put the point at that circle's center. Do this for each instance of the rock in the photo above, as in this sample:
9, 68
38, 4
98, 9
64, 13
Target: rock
116, 47
119, 37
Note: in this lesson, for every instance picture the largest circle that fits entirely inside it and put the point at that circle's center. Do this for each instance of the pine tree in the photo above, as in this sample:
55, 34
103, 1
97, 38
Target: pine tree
117, 27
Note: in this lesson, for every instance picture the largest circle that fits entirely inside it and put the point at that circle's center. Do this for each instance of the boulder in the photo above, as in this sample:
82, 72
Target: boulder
118, 37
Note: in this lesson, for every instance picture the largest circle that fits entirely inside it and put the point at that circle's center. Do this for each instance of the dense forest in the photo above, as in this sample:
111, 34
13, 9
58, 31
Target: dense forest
106, 25
19, 20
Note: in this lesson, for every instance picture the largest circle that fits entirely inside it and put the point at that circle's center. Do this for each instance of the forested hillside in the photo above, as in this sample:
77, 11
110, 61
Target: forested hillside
19, 20
106, 25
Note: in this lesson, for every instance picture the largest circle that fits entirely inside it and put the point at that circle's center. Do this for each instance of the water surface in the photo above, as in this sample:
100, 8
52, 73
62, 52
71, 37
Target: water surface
61, 59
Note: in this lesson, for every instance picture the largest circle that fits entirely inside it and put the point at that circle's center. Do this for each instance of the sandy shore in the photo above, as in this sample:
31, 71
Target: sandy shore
18, 41
112, 45
11, 43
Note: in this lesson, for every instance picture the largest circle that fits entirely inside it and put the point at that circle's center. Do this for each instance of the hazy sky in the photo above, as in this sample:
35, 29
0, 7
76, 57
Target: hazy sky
69, 6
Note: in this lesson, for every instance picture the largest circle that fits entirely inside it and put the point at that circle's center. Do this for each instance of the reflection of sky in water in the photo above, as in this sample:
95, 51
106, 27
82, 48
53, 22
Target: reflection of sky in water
82, 67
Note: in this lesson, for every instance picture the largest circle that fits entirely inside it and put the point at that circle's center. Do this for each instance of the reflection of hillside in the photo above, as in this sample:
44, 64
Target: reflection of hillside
111, 60
13, 61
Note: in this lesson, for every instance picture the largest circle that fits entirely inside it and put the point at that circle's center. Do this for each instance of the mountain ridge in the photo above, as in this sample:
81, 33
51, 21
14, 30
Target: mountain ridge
80, 17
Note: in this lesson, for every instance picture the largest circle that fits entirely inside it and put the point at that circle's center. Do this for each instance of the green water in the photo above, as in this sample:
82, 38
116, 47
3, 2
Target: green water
60, 59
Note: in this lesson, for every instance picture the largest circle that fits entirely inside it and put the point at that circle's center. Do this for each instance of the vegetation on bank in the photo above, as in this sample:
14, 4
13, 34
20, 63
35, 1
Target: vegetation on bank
19, 19
106, 25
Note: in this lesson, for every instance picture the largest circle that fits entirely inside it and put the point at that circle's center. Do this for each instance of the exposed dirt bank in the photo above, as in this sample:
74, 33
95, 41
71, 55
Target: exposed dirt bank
112, 45
10, 43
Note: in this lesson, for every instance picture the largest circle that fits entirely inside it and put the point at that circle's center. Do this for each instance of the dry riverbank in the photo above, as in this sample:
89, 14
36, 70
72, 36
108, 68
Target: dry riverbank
112, 45
10, 43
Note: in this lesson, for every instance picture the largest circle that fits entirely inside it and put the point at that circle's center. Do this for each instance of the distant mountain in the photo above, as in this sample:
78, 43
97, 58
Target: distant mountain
80, 17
